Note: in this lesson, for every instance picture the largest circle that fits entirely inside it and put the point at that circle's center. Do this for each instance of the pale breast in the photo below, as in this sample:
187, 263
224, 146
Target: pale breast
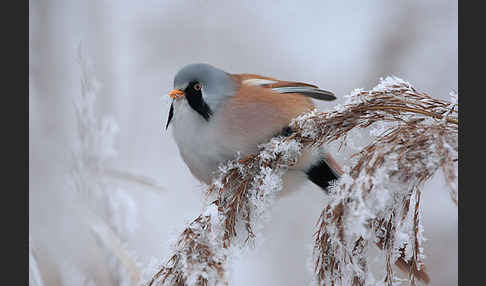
238, 126
198, 146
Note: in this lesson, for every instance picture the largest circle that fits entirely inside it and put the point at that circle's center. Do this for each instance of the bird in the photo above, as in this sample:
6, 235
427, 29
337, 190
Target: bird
215, 115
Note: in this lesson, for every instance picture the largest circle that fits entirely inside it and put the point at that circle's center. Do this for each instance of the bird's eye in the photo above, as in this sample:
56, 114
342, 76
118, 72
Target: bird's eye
197, 86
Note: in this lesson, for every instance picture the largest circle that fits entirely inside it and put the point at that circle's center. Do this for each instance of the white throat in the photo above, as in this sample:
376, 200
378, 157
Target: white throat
197, 141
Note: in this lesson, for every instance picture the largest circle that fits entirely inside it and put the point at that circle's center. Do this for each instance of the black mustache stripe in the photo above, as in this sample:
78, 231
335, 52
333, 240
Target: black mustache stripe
196, 101
171, 114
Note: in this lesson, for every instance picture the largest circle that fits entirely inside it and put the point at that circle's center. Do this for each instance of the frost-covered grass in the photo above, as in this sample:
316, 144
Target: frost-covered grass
109, 211
103, 201
377, 198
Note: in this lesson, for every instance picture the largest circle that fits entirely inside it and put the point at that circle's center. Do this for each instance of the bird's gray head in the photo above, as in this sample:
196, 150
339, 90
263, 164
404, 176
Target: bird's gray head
204, 87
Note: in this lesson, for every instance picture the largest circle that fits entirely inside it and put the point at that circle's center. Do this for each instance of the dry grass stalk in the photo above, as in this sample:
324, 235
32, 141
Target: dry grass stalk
194, 251
376, 200
382, 190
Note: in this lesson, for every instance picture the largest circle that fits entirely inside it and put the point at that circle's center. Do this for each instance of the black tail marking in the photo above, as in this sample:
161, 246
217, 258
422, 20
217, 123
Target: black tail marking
321, 174
286, 131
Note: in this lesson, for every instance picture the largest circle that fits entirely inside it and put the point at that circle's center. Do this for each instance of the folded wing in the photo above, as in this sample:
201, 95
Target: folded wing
286, 86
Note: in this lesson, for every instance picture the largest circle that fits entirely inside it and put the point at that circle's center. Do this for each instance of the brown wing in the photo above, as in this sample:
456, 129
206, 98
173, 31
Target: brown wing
254, 115
284, 86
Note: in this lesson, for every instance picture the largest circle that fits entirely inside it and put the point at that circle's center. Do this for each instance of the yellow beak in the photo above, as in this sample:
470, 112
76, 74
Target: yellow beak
175, 93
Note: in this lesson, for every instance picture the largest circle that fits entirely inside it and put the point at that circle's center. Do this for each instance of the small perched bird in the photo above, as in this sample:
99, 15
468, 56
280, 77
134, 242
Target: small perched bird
215, 115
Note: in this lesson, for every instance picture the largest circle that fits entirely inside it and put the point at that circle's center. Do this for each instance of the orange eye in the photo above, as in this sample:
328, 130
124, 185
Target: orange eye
197, 86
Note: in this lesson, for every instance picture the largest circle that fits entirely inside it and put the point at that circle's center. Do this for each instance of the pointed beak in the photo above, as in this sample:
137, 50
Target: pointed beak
175, 93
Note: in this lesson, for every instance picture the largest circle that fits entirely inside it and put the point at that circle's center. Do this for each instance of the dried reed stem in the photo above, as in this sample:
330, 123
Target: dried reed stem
376, 200
408, 109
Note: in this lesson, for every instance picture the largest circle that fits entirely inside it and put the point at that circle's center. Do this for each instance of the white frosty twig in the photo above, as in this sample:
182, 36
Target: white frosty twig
134, 178
110, 241
35, 277
117, 214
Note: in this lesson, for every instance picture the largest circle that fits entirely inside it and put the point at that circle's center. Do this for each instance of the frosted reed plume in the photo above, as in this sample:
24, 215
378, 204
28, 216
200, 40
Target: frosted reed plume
376, 200
109, 211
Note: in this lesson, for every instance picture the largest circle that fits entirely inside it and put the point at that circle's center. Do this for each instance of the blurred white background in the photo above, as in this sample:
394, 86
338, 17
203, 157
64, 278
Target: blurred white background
136, 47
